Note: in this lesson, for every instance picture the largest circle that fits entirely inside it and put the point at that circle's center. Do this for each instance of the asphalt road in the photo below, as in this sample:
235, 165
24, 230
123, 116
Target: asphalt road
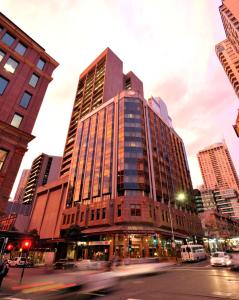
180, 282
185, 282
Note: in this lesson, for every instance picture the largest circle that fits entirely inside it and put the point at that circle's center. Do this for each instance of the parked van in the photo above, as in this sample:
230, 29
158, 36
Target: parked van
193, 253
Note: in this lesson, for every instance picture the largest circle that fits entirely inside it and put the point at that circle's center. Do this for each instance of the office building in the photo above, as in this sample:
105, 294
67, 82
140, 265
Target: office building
217, 168
25, 72
101, 81
21, 186
45, 168
125, 171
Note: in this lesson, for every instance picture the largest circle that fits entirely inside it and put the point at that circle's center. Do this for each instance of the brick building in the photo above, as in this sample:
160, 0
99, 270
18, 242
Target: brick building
25, 72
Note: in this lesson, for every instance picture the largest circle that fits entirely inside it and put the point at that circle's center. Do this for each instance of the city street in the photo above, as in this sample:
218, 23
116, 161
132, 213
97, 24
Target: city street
184, 281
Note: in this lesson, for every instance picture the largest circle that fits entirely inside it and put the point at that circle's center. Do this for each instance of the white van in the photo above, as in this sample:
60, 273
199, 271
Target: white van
193, 253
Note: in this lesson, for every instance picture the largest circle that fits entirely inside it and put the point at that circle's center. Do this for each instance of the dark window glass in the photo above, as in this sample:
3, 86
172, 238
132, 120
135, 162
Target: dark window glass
3, 84
33, 80
135, 210
72, 218
97, 214
119, 210
103, 213
64, 220
3, 156
2, 54
82, 216
20, 48
41, 63
92, 215
25, 99
8, 39
68, 219
16, 121
11, 65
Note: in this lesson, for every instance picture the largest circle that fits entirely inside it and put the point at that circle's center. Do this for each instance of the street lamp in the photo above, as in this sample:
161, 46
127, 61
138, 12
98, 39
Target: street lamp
180, 197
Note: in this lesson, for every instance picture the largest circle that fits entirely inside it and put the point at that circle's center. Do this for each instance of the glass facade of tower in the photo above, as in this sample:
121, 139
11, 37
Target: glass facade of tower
132, 173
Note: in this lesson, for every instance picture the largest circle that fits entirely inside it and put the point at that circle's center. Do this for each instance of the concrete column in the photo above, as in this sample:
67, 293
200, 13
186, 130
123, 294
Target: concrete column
112, 242
125, 251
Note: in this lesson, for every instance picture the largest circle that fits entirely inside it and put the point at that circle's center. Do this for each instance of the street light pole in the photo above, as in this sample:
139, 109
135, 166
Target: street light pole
171, 221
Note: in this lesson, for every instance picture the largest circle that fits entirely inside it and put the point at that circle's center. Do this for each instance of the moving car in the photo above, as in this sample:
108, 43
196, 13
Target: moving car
20, 262
235, 262
87, 264
64, 264
193, 253
221, 259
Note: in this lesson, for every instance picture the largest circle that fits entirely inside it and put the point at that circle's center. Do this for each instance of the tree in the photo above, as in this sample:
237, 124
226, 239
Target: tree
73, 233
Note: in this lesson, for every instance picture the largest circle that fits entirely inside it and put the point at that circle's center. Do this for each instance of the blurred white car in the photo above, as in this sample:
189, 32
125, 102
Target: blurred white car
17, 262
87, 264
220, 259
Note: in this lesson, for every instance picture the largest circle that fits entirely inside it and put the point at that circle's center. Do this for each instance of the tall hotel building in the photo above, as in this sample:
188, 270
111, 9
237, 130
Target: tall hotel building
25, 72
122, 170
228, 50
217, 168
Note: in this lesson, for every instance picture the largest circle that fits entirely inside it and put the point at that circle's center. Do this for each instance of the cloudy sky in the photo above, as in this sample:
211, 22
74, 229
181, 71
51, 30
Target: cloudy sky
169, 45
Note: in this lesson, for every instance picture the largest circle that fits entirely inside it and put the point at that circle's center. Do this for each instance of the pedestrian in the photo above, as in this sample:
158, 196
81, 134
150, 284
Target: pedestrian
3, 271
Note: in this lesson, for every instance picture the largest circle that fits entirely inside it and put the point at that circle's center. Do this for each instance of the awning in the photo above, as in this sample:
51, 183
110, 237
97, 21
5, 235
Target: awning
176, 234
133, 229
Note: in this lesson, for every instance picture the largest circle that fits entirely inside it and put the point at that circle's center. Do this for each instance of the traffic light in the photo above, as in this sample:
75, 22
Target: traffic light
26, 244
155, 240
130, 244
9, 247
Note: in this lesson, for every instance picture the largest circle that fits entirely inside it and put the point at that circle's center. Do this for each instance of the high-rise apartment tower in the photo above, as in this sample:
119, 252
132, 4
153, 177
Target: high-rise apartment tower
217, 167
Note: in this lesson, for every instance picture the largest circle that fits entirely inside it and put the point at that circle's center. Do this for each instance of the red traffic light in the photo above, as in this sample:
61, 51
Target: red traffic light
26, 244
9, 247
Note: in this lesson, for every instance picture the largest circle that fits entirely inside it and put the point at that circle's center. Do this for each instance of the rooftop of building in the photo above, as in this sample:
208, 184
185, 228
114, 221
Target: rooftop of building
213, 146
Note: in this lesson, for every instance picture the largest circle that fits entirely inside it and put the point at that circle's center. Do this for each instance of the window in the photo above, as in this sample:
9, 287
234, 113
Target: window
20, 48
41, 63
64, 219
103, 213
3, 156
135, 210
68, 219
92, 215
82, 217
8, 39
2, 54
34, 79
3, 84
72, 218
25, 99
119, 210
97, 214
16, 121
11, 65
